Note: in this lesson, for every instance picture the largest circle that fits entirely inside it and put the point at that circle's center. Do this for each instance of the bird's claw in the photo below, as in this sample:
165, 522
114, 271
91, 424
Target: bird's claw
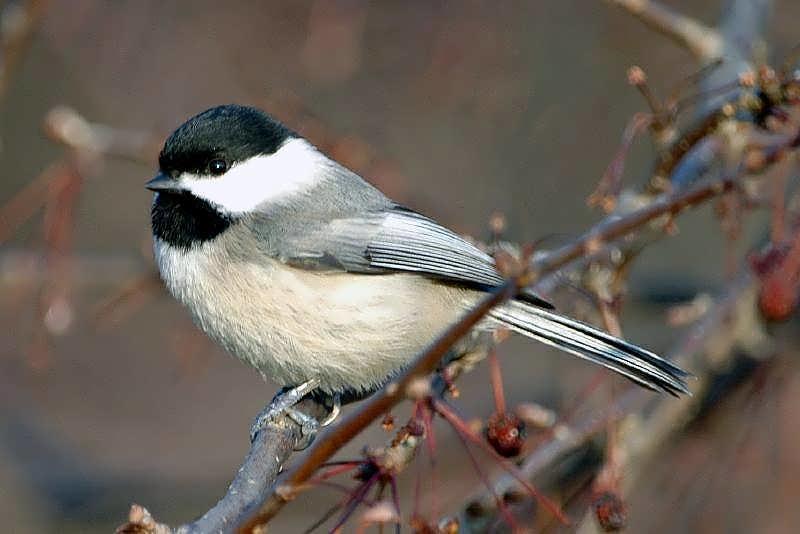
284, 405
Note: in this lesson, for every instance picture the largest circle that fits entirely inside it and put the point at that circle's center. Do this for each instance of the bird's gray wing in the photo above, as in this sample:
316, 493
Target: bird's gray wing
394, 240
408, 241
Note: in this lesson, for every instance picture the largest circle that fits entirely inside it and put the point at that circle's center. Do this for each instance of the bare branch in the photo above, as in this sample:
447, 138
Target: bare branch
616, 226
255, 497
736, 40
702, 350
704, 42
67, 127
374, 407
264, 462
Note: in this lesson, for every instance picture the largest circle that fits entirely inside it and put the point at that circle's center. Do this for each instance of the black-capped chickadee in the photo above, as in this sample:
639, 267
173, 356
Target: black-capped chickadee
299, 267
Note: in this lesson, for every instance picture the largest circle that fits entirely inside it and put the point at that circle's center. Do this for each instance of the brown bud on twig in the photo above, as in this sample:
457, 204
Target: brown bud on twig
747, 78
636, 76
141, 522
419, 525
388, 422
638, 79
497, 224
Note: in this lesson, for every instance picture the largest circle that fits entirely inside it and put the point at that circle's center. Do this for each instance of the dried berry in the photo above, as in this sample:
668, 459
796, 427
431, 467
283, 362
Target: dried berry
610, 511
506, 434
777, 298
778, 294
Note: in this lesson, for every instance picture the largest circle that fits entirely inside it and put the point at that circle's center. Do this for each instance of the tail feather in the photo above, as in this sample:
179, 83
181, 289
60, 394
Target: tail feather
640, 365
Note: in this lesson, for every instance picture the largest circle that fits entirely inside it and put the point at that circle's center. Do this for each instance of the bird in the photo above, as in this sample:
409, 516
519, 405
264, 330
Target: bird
301, 268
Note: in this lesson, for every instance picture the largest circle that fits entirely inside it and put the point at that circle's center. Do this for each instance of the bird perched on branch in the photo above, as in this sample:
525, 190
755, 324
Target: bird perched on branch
298, 266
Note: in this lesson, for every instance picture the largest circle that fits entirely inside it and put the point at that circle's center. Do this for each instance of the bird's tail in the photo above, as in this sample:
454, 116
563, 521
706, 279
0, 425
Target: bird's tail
640, 365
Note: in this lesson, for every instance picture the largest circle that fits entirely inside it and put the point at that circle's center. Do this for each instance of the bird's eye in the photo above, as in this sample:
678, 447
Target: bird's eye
217, 166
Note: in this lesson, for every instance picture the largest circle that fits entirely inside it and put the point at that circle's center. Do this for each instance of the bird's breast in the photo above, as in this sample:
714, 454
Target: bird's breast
349, 330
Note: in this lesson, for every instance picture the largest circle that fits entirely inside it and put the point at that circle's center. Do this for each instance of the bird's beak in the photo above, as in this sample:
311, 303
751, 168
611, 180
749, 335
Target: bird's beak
162, 182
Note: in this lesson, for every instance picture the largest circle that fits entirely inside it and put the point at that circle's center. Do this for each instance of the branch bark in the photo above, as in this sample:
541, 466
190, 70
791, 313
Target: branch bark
259, 471
259, 479
703, 350
375, 407
256, 495
733, 320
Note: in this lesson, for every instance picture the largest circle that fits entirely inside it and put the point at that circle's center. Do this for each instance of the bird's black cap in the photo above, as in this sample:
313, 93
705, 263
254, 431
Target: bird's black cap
232, 133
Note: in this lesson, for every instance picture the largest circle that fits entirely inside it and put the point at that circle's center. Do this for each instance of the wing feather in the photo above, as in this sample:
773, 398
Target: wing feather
393, 240
408, 241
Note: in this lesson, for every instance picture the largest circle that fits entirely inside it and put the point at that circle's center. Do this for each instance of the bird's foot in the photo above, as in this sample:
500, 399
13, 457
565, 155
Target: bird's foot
284, 404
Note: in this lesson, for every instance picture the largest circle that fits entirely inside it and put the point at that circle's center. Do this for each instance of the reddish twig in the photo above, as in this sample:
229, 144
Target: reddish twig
501, 505
497, 383
445, 411
616, 227
688, 352
30, 198
372, 409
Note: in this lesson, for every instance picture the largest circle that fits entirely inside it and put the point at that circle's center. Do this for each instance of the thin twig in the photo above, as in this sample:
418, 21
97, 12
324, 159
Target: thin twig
66, 126
689, 352
615, 227
704, 42
497, 383
372, 409
375, 407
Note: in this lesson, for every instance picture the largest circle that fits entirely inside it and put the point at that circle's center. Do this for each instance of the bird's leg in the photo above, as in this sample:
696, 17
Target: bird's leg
284, 404
283, 401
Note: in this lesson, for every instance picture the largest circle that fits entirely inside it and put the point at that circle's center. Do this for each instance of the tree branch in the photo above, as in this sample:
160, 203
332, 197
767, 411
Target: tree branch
254, 496
732, 325
735, 40
703, 350
616, 226
375, 407
704, 42
741, 29
251, 475
259, 471
393, 393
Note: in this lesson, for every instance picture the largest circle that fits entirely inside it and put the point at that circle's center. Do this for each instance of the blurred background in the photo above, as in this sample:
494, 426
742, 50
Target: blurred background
109, 396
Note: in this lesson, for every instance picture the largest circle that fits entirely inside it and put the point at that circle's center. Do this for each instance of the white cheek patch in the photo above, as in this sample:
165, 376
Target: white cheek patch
295, 167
